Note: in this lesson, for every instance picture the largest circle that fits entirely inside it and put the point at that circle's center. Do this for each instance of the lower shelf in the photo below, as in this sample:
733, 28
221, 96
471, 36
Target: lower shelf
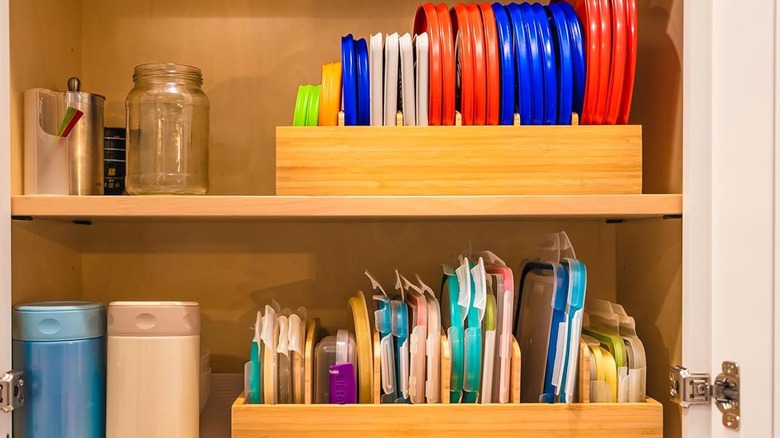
448, 421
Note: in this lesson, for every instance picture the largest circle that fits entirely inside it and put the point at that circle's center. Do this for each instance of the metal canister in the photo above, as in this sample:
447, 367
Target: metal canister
85, 142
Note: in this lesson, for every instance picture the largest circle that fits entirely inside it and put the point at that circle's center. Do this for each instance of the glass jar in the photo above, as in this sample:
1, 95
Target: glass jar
167, 131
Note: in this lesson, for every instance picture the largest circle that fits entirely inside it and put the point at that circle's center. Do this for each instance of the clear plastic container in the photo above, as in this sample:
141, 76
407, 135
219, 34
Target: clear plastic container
167, 131
331, 351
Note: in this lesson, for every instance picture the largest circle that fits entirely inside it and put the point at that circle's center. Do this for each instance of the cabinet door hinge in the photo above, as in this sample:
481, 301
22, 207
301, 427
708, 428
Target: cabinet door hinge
11, 390
687, 389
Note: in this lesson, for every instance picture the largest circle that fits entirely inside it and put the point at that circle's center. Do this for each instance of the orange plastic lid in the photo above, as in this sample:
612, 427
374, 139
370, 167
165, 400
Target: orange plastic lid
330, 97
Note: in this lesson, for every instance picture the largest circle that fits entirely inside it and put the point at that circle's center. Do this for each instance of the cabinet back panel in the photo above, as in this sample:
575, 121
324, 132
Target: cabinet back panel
45, 52
46, 261
234, 268
649, 285
658, 91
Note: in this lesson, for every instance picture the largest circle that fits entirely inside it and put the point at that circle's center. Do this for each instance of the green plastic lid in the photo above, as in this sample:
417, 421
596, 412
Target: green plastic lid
59, 321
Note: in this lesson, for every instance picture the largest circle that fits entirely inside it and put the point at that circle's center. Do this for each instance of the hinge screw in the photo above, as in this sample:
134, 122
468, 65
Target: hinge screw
701, 389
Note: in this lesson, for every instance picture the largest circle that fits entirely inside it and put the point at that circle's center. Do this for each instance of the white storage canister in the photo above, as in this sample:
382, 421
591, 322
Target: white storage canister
153, 370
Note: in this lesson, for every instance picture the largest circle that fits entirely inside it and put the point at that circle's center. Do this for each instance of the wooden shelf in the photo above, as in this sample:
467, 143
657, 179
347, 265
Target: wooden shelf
449, 421
302, 207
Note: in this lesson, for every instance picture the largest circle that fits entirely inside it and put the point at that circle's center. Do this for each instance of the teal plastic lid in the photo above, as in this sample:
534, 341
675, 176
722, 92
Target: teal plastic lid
59, 321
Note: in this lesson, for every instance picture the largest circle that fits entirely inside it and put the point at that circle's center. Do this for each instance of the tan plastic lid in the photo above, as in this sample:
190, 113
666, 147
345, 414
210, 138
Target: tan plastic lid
153, 318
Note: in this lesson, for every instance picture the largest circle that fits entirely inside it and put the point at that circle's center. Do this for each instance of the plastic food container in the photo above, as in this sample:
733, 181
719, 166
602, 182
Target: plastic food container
333, 351
61, 348
153, 370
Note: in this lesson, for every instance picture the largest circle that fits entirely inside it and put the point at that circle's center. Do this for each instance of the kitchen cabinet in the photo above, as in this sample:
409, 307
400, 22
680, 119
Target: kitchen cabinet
693, 258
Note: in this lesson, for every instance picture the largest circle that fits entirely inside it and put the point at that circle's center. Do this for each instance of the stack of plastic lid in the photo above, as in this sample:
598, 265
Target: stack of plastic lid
492, 64
611, 33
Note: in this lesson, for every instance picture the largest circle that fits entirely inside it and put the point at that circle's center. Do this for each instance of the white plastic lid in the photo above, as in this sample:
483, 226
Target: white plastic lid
153, 318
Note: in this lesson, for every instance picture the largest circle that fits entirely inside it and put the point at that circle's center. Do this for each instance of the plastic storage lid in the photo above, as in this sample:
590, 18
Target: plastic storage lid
153, 318
59, 321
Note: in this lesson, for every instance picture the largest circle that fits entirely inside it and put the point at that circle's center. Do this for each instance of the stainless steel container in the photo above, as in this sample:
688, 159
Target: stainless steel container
85, 142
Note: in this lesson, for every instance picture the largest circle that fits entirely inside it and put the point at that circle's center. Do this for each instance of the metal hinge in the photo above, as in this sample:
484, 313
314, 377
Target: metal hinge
687, 389
11, 390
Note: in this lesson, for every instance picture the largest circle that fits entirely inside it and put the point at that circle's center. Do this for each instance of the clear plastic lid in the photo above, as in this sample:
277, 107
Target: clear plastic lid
345, 347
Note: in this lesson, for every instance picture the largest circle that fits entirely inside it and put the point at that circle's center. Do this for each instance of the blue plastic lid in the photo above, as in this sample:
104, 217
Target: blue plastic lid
59, 321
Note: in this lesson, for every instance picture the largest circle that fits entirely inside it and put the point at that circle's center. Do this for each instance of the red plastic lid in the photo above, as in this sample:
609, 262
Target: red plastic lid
619, 55
465, 61
632, 24
493, 64
447, 65
480, 65
605, 61
589, 14
427, 20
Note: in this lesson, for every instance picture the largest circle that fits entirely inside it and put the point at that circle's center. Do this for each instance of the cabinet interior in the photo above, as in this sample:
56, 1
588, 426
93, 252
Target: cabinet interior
232, 268
254, 55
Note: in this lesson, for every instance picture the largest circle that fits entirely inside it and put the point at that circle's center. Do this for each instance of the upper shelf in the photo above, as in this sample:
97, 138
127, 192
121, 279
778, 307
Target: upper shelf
126, 208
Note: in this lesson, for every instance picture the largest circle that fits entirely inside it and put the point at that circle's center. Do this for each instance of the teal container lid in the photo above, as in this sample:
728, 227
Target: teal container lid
59, 321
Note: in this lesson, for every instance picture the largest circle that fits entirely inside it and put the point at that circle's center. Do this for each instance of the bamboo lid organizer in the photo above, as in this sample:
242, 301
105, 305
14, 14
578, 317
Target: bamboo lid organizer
596, 420
587, 420
459, 160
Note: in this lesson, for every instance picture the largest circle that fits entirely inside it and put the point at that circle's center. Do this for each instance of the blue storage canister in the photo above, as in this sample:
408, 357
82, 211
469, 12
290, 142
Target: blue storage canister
61, 348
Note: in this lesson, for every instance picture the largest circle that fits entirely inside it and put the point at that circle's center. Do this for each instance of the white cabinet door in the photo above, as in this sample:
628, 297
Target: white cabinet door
776, 415
5, 206
729, 206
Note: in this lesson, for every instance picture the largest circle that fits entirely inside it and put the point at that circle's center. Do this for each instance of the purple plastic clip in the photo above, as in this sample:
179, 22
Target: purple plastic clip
343, 389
